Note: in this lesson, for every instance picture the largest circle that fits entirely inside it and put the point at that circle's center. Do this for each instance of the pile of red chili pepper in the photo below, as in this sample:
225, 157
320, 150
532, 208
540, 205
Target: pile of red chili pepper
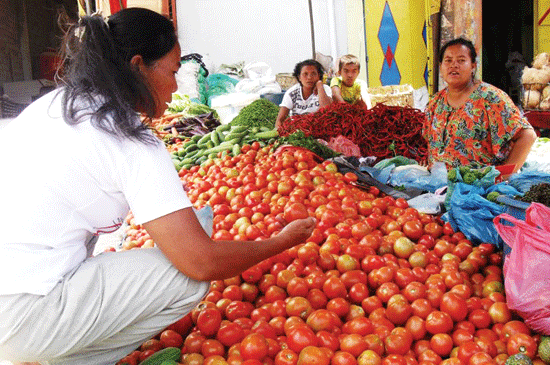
383, 131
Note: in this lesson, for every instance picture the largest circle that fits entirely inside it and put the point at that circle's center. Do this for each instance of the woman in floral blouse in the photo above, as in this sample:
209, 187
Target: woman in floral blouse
471, 122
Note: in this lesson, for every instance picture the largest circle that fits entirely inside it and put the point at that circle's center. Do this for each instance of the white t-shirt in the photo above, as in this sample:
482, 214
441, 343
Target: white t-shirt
294, 101
63, 184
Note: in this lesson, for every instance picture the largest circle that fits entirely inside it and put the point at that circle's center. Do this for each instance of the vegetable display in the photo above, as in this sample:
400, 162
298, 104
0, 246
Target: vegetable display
194, 125
539, 193
299, 139
224, 139
382, 131
259, 113
377, 282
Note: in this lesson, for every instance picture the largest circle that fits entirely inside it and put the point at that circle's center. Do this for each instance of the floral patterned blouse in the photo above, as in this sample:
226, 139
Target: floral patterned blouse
476, 134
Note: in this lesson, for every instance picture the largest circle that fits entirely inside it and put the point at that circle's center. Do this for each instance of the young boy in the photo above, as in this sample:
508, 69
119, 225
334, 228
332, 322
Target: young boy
346, 88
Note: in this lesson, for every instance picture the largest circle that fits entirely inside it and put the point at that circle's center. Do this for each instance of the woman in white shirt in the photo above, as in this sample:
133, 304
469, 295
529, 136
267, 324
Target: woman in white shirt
94, 160
308, 95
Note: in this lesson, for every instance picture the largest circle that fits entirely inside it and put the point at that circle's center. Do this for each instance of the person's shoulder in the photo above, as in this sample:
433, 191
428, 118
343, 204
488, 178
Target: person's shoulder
493, 93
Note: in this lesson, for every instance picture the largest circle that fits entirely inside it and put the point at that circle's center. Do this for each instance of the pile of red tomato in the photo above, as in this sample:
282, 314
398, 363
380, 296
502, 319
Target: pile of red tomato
376, 283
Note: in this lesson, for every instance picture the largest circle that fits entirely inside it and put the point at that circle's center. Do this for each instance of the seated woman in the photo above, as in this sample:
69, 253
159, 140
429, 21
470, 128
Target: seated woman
308, 95
471, 122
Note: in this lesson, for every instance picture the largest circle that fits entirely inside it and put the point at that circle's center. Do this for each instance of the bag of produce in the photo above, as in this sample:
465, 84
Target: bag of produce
472, 214
527, 267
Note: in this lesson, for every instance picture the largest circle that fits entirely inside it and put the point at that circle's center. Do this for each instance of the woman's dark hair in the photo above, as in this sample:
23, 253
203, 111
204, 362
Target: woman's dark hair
96, 69
310, 62
461, 41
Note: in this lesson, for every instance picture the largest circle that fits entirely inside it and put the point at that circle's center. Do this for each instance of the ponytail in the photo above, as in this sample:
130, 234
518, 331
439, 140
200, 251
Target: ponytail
97, 70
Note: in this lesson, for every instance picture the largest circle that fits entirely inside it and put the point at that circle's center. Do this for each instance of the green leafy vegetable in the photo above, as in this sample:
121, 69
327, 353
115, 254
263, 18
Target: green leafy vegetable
259, 113
299, 139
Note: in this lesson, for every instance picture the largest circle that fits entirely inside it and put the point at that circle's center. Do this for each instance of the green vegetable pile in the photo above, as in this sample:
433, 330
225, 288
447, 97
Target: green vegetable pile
492, 196
299, 139
539, 193
259, 113
469, 175
182, 104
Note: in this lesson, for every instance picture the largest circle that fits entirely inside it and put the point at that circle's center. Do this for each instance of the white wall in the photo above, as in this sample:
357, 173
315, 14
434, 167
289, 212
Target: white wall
273, 31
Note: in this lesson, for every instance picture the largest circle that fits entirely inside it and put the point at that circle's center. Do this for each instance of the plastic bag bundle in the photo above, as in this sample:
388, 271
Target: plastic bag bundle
527, 267
524, 180
345, 146
465, 175
473, 215
219, 84
415, 176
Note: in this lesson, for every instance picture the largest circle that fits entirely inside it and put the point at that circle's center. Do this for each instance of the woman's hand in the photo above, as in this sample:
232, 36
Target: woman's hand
298, 231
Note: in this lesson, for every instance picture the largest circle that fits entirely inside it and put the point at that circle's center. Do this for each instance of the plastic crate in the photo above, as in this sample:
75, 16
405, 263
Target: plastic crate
515, 208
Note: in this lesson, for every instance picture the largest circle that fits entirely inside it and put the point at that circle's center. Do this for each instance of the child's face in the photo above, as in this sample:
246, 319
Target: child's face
349, 73
309, 76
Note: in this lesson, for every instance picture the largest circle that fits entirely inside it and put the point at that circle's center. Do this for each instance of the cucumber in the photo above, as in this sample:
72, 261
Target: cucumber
168, 353
236, 150
223, 128
238, 128
267, 134
187, 160
205, 138
232, 135
215, 138
169, 362
191, 147
217, 149
232, 141
196, 137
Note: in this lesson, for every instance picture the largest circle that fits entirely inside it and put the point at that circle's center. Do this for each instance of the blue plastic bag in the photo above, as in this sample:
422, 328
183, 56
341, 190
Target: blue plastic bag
524, 180
413, 177
472, 214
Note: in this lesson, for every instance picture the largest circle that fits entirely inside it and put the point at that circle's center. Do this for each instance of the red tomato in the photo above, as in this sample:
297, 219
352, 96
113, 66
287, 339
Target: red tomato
413, 229
230, 334
286, 357
397, 344
211, 347
522, 343
353, 343
254, 346
209, 320
170, 338
299, 337
454, 305
439, 322
323, 320
441, 344
312, 355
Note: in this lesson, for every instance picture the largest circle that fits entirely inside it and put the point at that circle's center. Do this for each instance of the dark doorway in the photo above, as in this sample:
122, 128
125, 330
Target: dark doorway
507, 34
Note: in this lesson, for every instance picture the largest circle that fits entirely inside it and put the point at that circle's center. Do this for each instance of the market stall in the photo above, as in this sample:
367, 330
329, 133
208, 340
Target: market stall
378, 282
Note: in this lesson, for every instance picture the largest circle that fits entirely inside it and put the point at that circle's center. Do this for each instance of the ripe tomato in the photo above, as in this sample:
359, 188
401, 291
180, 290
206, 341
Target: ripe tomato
480, 318
209, 320
454, 305
397, 344
323, 320
439, 322
286, 357
512, 327
343, 358
441, 344
522, 343
230, 334
328, 340
254, 346
413, 229
353, 343
170, 338
299, 337
312, 355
